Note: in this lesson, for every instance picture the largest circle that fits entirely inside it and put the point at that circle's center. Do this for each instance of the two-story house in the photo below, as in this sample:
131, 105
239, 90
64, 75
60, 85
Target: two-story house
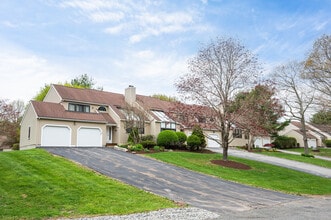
73, 117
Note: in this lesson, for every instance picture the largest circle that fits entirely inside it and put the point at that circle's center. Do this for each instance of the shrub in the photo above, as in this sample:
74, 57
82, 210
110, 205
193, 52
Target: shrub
124, 146
147, 138
16, 146
307, 155
136, 147
167, 139
284, 142
193, 142
148, 144
158, 148
134, 136
198, 132
327, 143
181, 139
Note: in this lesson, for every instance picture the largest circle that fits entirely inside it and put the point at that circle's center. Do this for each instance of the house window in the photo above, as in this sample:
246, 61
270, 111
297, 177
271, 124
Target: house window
29, 133
166, 122
102, 109
237, 133
78, 108
246, 135
134, 119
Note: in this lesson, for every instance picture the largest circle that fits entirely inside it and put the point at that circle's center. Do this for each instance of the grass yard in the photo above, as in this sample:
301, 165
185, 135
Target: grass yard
36, 185
261, 175
325, 152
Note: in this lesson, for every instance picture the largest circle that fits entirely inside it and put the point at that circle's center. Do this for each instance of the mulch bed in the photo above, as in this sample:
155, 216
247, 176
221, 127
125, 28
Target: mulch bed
231, 164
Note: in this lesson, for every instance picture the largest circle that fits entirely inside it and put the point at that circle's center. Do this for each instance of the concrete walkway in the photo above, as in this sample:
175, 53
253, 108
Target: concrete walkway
291, 164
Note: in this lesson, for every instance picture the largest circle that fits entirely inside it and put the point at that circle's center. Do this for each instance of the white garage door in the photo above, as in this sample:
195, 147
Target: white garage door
89, 137
56, 136
261, 141
213, 142
312, 143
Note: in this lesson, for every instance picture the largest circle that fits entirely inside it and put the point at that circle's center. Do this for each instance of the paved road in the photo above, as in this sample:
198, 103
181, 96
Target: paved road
291, 164
175, 183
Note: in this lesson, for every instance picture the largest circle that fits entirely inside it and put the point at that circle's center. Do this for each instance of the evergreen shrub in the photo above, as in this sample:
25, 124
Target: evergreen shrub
167, 139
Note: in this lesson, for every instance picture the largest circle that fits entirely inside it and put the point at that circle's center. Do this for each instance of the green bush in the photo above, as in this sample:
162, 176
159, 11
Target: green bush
193, 142
16, 146
147, 138
158, 148
307, 155
148, 144
167, 139
197, 130
136, 147
327, 143
181, 139
124, 146
284, 142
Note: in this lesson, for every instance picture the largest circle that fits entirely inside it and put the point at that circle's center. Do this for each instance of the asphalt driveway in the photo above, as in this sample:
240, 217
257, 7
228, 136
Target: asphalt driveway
175, 183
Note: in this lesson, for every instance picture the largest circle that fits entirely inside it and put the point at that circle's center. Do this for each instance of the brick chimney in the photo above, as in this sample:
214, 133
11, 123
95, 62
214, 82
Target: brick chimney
130, 94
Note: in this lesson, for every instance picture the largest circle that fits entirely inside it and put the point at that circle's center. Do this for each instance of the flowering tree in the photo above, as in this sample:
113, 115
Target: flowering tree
10, 116
216, 75
259, 112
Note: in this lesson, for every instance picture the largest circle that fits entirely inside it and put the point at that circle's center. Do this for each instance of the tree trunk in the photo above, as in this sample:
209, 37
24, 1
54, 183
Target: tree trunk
225, 139
304, 134
225, 152
225, 145
250, 143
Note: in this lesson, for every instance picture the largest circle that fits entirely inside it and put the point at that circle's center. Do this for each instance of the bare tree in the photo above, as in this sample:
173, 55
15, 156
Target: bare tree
296, 92
135, 121
216, 74
318, 69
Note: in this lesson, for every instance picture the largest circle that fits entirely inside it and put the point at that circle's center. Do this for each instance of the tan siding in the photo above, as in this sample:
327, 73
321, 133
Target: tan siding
52, 96
29, 120
239, 142
74, 126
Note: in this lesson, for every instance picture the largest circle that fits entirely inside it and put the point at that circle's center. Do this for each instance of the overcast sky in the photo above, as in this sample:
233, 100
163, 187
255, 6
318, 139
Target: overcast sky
143, 43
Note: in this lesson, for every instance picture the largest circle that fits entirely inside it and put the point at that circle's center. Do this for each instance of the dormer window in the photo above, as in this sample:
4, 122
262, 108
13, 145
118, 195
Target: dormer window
102, 109
78, 107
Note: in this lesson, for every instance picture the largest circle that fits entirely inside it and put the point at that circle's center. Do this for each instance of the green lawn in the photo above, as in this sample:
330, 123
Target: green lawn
261, 175
36, 185
314, 161
325, 152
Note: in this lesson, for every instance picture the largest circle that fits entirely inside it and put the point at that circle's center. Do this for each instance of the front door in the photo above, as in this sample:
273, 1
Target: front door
109, 135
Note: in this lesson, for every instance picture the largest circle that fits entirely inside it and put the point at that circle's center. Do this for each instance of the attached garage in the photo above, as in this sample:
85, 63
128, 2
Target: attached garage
261, 141
56, 136
312, 143
212, 141
89, 137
